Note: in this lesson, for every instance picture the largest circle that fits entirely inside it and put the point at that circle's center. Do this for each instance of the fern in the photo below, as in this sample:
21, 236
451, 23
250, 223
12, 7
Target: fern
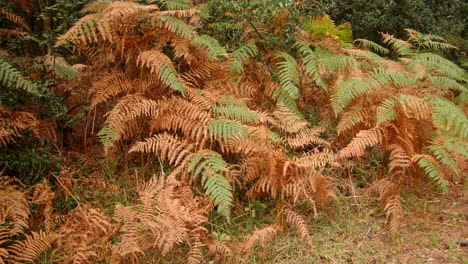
372, 45
298, 222
439, 65
427, 41
444, 157
211, 166
168, 147
445, 82
224, 129
351, 118
260, 236
234, 109
161, 65
386, 111
177, 4
339, 63
240, 57
455, 145
449, 118
311, 61
347, 91
107, 136
288, 74
17, 20
9, 76
33, 247
387, 77
363, 139
211, 45
432, 169
401, 47
176, 26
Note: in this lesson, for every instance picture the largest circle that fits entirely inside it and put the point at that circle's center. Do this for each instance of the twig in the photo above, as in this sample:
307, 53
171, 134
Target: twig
364, 239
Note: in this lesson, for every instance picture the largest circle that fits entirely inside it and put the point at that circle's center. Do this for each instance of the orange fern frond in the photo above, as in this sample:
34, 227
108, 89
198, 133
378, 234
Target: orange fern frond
34, 245
17, 20
363, 139
260, 236
297, 221
307, 137
167, 146
109, 86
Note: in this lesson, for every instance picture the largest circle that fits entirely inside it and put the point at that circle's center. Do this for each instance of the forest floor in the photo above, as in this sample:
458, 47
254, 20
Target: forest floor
357, 233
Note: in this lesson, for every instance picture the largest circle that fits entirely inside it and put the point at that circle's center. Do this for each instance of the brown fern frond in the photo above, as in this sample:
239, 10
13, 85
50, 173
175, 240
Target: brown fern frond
394, 212
17, 20
167, 146
12, 32
399, 159
43, 195
14, 209
158, 63
352, 118
363, 139
219, 249
110, 85
195, 253
387, 192
34, 245
121, 8
307, 137
317, 159
288, 121
297, 221
416, 108
260, 236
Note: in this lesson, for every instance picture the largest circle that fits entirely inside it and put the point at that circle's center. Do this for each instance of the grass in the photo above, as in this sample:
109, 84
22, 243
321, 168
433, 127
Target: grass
357, 234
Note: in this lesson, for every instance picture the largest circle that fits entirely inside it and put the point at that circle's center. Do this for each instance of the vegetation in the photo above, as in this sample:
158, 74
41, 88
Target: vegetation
212, 131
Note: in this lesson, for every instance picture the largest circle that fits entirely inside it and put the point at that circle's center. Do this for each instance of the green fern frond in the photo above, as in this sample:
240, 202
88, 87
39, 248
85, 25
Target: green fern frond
449, 118
284, 99
11, 77
235, 109
368, 56
339, 63
161, 65
386, 77
288, 74
177, 5
432, 169
444, 157
347, 91
211, 166
462, 98
176, 25
214, 49
204, 11
106, 136
439, 65
224, 129
386, 111
441, 81
351, 118
428, 41
321, 26
401, 47
240, 57
311, 61
372, 46
455, 145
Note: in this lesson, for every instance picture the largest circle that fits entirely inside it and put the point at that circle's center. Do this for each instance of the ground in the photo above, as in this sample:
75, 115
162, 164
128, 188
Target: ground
358, 233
